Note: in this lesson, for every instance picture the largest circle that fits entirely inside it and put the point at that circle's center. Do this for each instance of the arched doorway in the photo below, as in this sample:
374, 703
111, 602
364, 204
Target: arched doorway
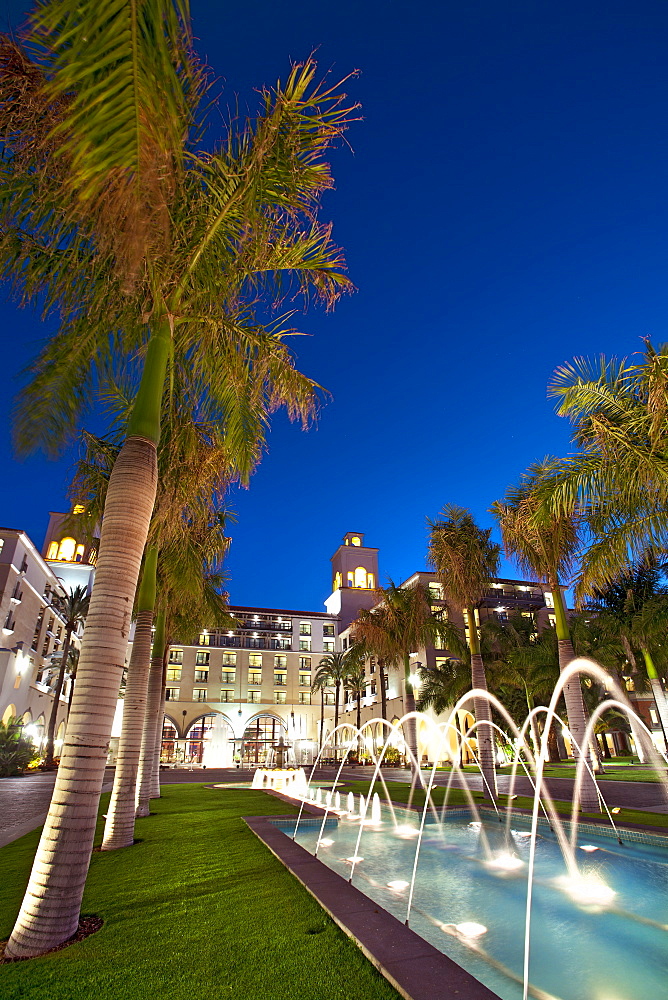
169, 745
210, 741
261, 732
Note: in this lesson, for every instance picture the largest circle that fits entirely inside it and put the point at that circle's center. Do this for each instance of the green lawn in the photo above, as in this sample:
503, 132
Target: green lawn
199, 908
613, 772
399, 792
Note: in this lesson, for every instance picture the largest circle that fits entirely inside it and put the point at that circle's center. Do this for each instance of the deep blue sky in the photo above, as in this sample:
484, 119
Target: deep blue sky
503, 209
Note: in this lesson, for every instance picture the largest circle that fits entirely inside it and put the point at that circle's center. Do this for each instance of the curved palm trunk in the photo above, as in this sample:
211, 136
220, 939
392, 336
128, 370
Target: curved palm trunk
575, 709
119, 830
153, 707
659, 694
53, 718
483, 713
410, 726
383, 690
50, 911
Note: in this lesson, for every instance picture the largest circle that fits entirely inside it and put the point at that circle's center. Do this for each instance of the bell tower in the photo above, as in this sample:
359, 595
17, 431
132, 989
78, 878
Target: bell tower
354, 578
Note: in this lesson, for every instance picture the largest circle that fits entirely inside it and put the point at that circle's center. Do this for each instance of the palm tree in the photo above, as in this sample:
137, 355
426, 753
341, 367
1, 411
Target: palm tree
74, 606
401, 624
144, 244
320, 682
355, 682
466, 560
545, 548
333, 670
619, 473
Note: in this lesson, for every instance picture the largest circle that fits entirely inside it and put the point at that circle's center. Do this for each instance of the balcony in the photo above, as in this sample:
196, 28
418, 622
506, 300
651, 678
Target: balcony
248, 624
510, 598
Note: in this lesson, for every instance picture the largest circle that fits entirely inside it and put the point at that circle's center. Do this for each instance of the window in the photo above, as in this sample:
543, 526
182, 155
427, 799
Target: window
174, 674
229, 659
66, 549
338, 581
304, 662
38, 629
304, 628
281, 642
255, 659
204, 639
176, 656
304, 680
370, 582
441, 662
328, 646
280, 677
305, 645
199, 694
45, 647
201, 658
78, 557
351, 578
280, 662
254, 697
254, 643
360, 578
355, 540
328, 630
372, 664
52, 551
226, 695
373, 687
254, 676
439, 642
172, 694
329, 697
228, 676
280, 697
304, 697
201, 676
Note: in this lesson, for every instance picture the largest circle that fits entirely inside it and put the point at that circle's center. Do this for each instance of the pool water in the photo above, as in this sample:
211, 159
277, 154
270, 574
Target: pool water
610, 943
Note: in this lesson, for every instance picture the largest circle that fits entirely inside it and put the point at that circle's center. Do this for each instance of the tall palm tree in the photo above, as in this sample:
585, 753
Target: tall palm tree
355, 681
142, 243
320, 682
333, 670
545, 547
466, 560
75, 608
401, 624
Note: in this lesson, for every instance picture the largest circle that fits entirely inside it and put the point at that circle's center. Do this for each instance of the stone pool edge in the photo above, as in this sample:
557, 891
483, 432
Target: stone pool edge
416, 969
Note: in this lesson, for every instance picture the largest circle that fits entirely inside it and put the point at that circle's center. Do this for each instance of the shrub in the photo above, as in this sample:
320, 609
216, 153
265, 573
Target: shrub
16, 752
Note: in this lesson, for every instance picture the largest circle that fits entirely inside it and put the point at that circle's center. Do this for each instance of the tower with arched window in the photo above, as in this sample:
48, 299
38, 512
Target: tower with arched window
354, 578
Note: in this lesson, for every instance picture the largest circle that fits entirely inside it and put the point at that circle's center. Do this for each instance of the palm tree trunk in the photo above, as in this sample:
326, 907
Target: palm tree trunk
53, 718
157, 753
50, 911
322, 717
337, 688
359, 723
659, 694
575, 710
119, 830
483, 712
153, 706
383, 690
410, 726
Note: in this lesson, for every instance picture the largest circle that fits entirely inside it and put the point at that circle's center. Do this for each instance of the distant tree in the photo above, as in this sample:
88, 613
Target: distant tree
74, 606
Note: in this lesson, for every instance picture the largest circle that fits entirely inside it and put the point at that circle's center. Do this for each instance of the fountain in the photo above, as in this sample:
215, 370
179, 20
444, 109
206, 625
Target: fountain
217, 748
279, 775
509, 896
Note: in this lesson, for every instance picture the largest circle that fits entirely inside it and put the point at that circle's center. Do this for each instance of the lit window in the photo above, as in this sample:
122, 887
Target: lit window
230, 659
78, 509
280, 697
254, 697
255, 659
328, 630
201, 658
304, 628
52, 552
92, 557
305, 680
204, 639
172, 694
199, 694
201, 676
280, 662
304, 697
226, 695
329, 697
549, 599
360, 578
435, 592
228, 676
304, 662
351, 578
174, 674
280, 678
328, 646
305, 645
338, 581
370, 582
176, 656
355, 540
254, 676
79, 553
66, 549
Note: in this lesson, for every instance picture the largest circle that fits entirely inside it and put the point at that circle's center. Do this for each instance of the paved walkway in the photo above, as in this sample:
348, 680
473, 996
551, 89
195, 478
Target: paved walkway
24, 801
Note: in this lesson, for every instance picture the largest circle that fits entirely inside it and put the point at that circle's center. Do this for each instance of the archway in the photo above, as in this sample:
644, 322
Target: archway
210, 741
169, 744
9, 713
262, 732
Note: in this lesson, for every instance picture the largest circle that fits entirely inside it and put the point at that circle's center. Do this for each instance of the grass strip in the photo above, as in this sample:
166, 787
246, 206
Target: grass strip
400, 792
199, 907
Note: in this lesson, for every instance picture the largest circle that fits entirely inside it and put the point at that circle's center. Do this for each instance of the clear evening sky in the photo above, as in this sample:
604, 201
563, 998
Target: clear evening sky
503, 209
